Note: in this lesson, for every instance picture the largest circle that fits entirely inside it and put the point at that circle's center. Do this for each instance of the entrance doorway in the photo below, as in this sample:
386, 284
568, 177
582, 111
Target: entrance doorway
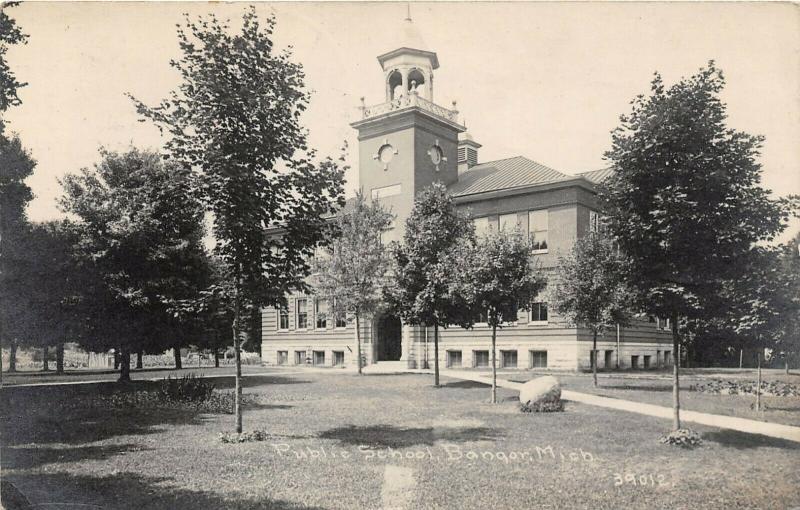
389, 338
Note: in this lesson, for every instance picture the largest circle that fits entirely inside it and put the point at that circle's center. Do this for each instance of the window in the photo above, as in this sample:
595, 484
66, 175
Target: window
481, 226
338, 358
538, 359
299, 357
537, 229
453, 359
319, 357
658, 358
667, 358
482, 317
646, 362
341, 320
539, 313
480, 359
283, 357
634, 362
509, 222
283, 319
596, 221
508, 359
322, 313
302, 313
607, 359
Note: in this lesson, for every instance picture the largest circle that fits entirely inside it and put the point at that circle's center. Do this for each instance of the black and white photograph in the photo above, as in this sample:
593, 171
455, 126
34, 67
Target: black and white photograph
399, 255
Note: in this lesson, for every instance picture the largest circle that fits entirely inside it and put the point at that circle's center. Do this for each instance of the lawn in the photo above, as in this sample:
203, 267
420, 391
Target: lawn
342, 441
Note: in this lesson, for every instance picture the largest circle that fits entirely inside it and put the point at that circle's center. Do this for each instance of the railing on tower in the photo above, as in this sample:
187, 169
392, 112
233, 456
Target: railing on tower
408, 101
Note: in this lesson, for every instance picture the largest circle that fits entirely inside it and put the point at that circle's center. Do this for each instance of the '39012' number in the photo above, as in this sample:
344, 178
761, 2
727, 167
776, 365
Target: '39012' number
644, 479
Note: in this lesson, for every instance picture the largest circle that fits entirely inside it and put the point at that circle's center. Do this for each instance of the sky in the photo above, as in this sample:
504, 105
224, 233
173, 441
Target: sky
544, 80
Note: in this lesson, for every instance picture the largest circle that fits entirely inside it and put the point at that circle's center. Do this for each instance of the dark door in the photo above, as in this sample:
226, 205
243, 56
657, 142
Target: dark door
389, 338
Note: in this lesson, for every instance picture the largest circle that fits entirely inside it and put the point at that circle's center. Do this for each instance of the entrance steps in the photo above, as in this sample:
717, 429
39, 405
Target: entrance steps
386, 367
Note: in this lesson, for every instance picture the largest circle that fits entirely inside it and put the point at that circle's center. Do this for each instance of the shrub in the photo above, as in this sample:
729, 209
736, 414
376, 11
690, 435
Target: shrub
244, 437
542, 407
185, 389
686, 438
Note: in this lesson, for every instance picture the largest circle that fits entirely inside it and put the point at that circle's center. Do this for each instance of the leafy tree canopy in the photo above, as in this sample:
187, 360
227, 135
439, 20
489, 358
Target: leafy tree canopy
235, 121
684, 202
10, 34
589, 287
351, 272
419, 288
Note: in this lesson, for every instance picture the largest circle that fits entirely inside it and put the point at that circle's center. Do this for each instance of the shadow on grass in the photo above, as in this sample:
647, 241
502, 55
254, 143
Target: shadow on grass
36, 456
74, 415
388, 436
128, 491
251, 381
466, 385
744, 441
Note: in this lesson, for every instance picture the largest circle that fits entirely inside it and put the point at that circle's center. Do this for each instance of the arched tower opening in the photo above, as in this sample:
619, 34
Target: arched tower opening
417, 83
394, 84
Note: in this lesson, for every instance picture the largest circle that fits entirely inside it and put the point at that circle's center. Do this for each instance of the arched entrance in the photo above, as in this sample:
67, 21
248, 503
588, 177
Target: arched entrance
389, 334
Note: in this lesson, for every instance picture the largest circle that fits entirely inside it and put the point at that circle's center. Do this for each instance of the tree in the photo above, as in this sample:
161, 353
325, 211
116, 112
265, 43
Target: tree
141, 230
590, 289
684, 202
10, 34
54, 295
495, 276
789, 338
350, 277
235, 121
16, 165
418, 289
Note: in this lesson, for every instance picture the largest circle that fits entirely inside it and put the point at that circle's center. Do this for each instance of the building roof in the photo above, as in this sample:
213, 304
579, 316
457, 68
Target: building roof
502, 174
597, 176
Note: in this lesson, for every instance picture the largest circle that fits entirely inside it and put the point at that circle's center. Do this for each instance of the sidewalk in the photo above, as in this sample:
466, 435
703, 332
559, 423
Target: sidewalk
763, 428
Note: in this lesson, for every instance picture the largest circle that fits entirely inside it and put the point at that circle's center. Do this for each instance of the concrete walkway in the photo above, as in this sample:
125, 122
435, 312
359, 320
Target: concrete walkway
763, 428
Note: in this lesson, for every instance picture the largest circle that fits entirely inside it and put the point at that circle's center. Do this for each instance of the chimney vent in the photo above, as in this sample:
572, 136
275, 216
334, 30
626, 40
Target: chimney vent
467, 152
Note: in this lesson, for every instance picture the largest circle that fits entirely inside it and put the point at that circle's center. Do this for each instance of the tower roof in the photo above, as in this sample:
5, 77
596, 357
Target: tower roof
410, 41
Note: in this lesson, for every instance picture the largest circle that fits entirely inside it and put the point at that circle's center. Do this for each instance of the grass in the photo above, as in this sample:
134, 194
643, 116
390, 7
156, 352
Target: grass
332, 436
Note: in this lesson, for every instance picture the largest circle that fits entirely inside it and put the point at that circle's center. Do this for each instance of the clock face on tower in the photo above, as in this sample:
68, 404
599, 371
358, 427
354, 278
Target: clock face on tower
385, 154
437, 155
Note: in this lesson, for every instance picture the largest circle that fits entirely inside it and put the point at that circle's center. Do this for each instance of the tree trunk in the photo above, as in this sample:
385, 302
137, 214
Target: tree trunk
45, 355
125, 366
494, 363
176, 349
676, 362
116, 359
216, 358
758, 381
436, 354
594, 357
12, 356
238, 361
786, 363
139, 356
60, 358
358, 343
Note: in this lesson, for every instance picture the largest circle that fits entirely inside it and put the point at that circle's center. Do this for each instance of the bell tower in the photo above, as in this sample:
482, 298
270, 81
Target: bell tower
407, 142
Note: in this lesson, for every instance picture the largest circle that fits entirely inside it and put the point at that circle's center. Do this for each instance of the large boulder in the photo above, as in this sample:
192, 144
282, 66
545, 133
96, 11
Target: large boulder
541, 394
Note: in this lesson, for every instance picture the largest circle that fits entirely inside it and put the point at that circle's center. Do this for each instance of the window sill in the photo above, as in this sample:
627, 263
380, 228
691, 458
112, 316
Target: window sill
538, 323
283, 330
539, 252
